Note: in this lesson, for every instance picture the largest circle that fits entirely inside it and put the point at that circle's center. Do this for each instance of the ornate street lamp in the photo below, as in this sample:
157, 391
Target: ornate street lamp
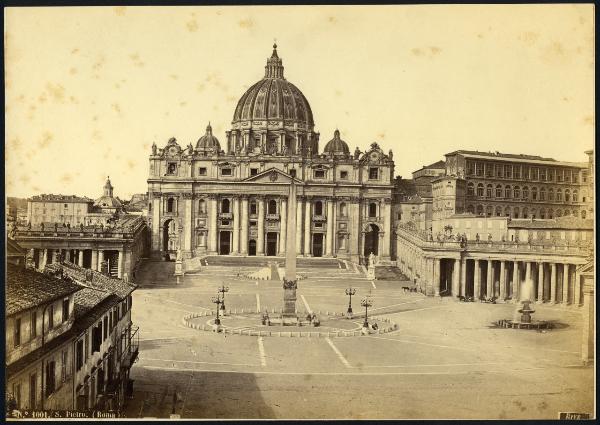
350, 291
217, 301
366, 303
222, 290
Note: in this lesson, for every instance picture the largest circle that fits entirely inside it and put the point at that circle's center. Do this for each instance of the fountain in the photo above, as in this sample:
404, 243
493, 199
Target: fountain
523, 320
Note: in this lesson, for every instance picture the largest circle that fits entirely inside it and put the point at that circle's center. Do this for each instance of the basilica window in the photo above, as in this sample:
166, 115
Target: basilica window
318, 208
567, 195
584, 177
575, 176
469, 168
508, 171
575, 196
551, 194
534, 193
319, 174
293, 172
470, 209
542, 213
507, 192
479, 169
583, 214
488, 211
542, 194
344, 175
479, 209
343, 210
226, 171
525, 212
373, 173
517, 192
202, 171
560, 175
535, 173
559, 195
171, 168
480, 190
489, 170
525, 192
253, 207
498, 212
202, 206
517, 172
170, 205
225, 205
488, 191
543, 174
498, 191
499, 170
272, 207
372, 209
253, 171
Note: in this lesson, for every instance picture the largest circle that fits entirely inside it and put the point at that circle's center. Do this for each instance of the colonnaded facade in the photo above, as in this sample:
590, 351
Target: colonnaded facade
232, 200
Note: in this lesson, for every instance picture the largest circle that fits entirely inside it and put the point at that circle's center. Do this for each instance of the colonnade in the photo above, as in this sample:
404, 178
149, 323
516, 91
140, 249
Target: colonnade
76, 256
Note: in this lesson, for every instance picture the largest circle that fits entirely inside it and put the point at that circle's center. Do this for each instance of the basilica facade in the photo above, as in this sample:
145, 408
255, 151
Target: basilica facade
231, 198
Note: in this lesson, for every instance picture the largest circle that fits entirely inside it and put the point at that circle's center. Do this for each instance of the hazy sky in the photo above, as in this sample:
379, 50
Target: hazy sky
89, 89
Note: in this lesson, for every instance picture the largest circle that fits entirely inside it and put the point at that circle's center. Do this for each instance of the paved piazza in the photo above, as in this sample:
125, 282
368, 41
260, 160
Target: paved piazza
445, 361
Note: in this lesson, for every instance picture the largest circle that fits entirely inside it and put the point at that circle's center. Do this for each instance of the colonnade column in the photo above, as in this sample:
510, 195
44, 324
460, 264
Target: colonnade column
236, 226
329, 235
489, 287
578, 290
540, 282
455, 278
527, 292
477, 280
80, 259
436, 277
515, 282
502, 280
463, 277
565, 286
245, 224
299, 212
307, 221
553, 283
119, 264
283, 227
94, 259
44, 259
100, 259
212, 229
68, 255
260, 243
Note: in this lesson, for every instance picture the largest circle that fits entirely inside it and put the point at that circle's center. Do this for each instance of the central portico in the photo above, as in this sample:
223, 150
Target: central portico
233, 201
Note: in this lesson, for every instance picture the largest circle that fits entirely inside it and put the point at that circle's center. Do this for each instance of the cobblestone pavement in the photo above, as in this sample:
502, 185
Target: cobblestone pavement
445, 361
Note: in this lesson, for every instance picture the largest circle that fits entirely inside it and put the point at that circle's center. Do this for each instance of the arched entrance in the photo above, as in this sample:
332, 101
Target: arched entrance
252, 247
169, 238
271, 243
224, 242
371, 240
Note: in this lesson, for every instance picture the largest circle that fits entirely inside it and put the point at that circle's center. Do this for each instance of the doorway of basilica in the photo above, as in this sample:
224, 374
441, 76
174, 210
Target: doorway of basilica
372, 241
169, 238
271, 244
317, 245
252, 247
224, 242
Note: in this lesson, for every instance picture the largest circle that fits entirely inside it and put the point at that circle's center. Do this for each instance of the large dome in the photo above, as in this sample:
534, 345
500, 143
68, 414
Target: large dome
273, 100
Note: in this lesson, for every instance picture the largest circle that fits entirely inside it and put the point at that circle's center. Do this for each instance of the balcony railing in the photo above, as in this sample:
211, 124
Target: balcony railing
273, 216
131, 350
320, 217
226, 215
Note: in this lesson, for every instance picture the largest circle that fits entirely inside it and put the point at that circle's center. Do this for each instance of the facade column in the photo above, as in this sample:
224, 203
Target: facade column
307, 222
553, 283
565, 285
477, 280
100, 259
283, 227
188, 224
212, 229
80, 259
489, 287
119, 264
515, 282
456, 278
436, 276
156, 210
245, 225
329, 235
502, 280
588, 332
540, 282
43, 259
463, 277
236, 226
299, 212
387, 226
94, 259
260, 243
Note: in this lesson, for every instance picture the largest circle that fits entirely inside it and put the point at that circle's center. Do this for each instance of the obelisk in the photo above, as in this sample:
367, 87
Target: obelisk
289, 279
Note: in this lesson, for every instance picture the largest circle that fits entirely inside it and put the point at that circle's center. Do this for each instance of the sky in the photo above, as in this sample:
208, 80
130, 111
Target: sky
88, 90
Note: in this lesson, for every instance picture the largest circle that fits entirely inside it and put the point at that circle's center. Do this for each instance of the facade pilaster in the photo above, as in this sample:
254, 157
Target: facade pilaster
236, 226
307, 223
260, 243
245, 227
188, 224
299, 213
329, 234
212, 227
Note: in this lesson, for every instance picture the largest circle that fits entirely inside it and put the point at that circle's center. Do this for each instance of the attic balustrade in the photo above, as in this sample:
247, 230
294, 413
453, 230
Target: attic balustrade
424, 240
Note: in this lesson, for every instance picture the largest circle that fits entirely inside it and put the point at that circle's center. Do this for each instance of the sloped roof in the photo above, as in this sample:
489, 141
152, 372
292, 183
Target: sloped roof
565, 223
13, 249
26, 289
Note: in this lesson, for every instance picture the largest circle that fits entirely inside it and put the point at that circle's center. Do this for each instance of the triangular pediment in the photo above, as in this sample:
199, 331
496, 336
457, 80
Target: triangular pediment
272, 175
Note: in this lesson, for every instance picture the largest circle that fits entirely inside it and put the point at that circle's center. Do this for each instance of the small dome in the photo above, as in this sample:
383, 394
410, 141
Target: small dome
208, 141
107, 202
336, 146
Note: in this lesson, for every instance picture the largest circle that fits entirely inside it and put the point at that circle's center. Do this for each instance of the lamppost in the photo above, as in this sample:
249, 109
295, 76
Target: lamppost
222, 290
217, 301
366, 303
350, 291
